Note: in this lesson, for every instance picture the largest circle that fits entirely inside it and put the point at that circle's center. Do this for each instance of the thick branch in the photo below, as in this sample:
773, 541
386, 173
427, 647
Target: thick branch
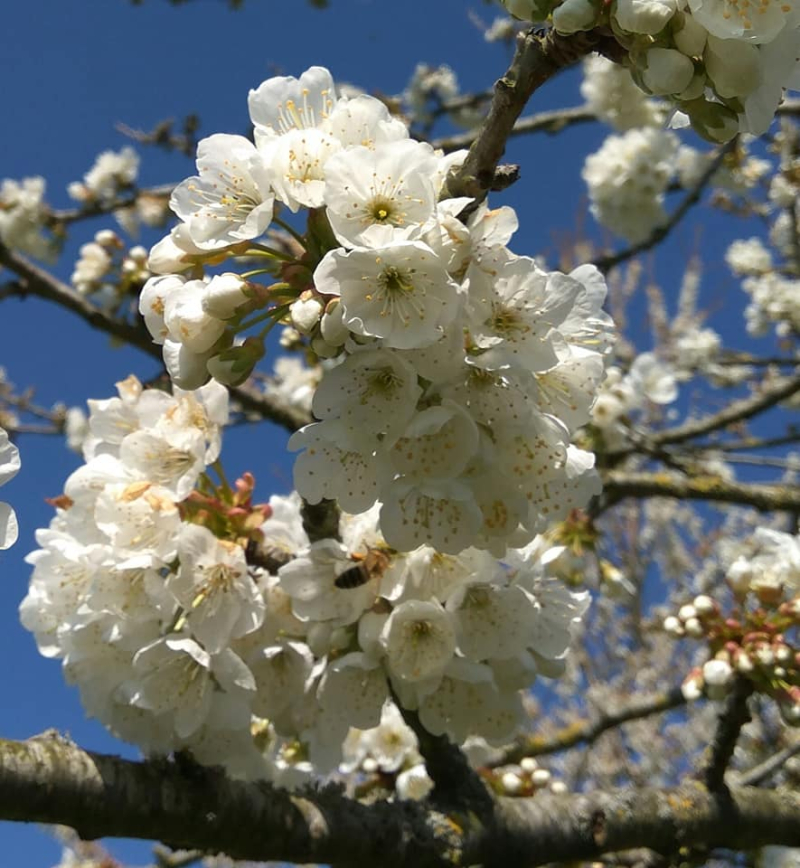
619, 484
456, 783
588, 731
50, 780
537, 59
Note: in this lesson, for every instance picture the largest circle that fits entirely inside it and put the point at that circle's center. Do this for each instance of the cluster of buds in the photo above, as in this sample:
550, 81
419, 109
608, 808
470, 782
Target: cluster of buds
723, 65
229, 512
750, 643
522, 780
109, 270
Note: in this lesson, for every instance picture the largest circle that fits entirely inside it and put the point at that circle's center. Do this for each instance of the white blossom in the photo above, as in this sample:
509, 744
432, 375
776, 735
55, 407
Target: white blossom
9, 467
230, 199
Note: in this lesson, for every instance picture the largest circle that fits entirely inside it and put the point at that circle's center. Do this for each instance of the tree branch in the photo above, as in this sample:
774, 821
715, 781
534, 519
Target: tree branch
737, 411
759, 773
95, 209
588, 731
536, 59
36, 281
456, 783
50, 780
548, 122
732, 718
619, 484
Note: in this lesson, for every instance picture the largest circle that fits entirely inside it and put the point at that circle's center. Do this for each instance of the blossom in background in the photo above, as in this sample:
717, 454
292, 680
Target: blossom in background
9, 467
627, 179
111, 172
22, 216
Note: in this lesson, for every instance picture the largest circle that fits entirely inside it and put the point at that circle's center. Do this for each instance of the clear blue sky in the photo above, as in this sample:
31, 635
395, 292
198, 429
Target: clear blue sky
71, 71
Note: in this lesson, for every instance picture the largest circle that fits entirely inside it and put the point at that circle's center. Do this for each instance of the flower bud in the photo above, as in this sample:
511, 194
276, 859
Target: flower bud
541, 778
704, 605
668, 71
107, 238
692, 687
574, 15
717, 673
332, 324
714, 122
235, 364
529, 10
224, 294
694, 628
673, 626
305, 314
688, 35
644, 16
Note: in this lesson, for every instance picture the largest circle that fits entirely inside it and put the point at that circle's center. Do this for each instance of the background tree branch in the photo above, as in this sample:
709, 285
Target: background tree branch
588, 731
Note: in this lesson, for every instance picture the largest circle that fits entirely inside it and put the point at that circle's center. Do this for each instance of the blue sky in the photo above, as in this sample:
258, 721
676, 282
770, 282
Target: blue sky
72, 70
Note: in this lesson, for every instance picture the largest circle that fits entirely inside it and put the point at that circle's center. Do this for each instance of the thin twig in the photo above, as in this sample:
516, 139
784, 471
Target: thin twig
737, 411
547, 122
587, 732
537, 58
747, 443
95, 209
729, 357
758, 774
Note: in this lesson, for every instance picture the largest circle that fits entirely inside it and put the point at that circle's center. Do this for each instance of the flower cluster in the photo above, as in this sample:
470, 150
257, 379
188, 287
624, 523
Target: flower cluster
455, 636
650, 379
111, 173
140, 604
722, 63
109, 271
463, 370
191, 619
22, 217
754, 639
627, 179
629, 176
9, 467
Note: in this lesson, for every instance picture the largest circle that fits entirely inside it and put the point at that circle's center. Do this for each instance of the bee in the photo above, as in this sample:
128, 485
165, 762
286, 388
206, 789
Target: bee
369, 566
